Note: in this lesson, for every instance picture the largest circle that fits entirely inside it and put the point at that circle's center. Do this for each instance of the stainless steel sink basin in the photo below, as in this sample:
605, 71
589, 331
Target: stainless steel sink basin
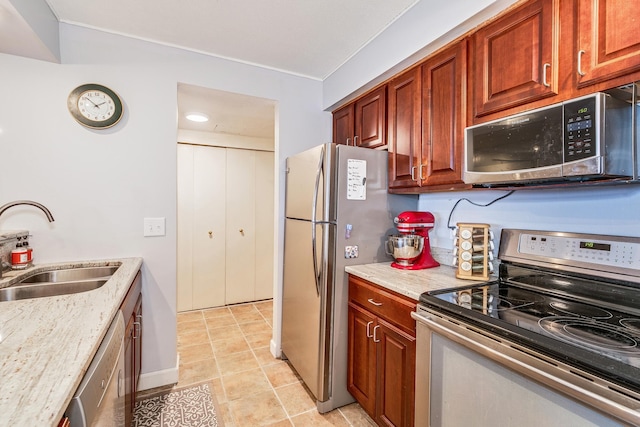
58, 282
70, 275
24, 291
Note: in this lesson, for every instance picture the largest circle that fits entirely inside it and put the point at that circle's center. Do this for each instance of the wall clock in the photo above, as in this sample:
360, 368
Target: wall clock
95, 106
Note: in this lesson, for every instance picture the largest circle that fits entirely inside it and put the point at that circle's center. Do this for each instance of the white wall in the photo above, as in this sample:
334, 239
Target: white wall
101, 184
586, 209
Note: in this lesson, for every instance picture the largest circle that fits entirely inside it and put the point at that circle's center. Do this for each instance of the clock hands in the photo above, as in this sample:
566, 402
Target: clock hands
91, 101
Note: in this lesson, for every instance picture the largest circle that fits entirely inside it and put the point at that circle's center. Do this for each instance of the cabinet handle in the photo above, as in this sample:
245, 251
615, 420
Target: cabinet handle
413, 175
545, 67
377, 304
136, 328
420, 176
348, 139
368, 331
580, 53
374, 333
355, 141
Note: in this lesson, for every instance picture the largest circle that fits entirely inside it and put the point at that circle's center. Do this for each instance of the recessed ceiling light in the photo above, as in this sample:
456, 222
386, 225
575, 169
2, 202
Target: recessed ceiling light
197, 117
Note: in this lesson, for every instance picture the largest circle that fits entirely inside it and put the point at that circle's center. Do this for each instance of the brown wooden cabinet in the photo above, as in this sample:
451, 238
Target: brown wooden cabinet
608, 40
426, 122
444, 116
516, 58
381, 359
404, 134
363, 122
132, 310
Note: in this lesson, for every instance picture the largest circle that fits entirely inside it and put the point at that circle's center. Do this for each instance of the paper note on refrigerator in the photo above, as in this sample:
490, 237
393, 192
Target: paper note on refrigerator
356, 179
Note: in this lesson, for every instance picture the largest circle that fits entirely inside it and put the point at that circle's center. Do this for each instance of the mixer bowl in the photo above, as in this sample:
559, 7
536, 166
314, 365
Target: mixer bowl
405, 248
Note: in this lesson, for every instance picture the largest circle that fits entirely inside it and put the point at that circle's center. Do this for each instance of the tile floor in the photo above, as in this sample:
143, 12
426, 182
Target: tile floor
230, 346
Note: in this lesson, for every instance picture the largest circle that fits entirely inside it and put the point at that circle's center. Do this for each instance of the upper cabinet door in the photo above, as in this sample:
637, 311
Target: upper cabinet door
404, 135
343, 125
443, 116
370, 119
608, 40
516, 58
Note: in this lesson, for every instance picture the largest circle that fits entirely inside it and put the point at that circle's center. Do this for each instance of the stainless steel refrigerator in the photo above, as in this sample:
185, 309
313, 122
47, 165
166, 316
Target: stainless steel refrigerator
338, 213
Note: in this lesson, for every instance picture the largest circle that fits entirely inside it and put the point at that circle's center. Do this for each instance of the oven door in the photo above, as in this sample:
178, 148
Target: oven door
466, 376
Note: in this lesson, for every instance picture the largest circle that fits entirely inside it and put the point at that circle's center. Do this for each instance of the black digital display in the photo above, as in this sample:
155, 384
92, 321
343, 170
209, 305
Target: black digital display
595, 246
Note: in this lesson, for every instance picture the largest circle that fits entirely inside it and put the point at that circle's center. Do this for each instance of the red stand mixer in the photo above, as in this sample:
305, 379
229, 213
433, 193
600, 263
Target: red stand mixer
411, 248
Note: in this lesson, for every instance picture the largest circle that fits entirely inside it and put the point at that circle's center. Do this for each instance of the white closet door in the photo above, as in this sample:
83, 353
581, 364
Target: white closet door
185, 228
264, 224
241, 230
209, 218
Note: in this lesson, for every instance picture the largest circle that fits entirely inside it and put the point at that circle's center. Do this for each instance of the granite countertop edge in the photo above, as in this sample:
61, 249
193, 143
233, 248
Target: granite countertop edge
410, 283
47, 344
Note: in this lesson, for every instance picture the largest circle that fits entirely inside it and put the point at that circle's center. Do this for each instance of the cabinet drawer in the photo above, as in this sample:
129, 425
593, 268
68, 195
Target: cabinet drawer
392, 307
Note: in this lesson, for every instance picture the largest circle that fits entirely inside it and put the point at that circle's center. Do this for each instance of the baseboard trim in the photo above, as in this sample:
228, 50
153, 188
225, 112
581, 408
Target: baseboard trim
275, 351
155, 379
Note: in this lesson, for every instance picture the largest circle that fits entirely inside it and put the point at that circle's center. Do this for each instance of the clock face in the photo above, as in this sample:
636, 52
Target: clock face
95, 106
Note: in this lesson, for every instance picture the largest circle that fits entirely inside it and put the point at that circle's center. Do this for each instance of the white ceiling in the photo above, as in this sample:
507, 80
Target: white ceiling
229, 113
306, 37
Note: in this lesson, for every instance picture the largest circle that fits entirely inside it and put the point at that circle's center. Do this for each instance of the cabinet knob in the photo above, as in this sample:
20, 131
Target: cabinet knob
241, 231
210, 234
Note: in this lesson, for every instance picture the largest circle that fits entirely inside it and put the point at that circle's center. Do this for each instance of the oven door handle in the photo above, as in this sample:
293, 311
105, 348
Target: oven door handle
533, 368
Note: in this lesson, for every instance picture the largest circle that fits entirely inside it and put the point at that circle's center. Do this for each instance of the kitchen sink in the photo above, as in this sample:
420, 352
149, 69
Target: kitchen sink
70, 275
58, 282
24, 291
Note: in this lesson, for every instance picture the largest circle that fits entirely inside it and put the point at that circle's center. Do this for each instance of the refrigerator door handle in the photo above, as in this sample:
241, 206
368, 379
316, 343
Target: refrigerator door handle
316, 188
316, 273
314, 253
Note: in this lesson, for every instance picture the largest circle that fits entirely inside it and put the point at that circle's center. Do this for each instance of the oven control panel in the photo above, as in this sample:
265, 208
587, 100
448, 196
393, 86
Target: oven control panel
615, 253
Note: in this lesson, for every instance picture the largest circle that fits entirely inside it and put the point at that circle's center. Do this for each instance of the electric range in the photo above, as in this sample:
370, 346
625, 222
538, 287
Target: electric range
572, 297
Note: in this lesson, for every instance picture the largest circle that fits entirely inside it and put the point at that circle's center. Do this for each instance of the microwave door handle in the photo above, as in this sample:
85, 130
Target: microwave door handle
317, 274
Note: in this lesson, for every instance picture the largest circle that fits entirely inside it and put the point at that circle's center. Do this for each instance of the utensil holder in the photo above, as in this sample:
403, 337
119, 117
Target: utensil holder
473, 251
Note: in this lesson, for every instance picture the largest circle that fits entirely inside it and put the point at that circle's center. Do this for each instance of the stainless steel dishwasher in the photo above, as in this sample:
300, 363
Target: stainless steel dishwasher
99, 399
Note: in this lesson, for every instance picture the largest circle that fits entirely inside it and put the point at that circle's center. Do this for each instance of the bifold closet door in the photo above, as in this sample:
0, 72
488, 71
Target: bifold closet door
201, 227
241, 226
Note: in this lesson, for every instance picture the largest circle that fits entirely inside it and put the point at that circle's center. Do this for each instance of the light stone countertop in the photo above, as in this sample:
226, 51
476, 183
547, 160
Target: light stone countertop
47, 344
410, 283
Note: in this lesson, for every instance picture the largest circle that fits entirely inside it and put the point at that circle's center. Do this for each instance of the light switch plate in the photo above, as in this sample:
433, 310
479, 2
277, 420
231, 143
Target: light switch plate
154, 227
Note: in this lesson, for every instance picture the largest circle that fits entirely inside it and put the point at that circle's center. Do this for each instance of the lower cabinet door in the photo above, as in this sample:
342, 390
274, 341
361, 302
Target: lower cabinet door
129, 383
361, 368
137, 344
396, 375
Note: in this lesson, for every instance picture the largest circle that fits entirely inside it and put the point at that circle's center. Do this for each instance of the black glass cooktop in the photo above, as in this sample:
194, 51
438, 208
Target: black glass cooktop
579, 321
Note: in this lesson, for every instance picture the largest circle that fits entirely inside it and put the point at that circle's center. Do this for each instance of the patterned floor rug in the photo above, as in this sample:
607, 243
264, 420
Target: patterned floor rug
188, 407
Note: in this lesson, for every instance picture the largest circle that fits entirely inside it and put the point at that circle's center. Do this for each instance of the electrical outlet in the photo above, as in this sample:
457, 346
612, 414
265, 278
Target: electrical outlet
154, 227
351, 252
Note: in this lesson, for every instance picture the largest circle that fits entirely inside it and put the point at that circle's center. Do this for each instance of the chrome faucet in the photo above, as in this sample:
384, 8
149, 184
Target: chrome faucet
43, 208
4, 207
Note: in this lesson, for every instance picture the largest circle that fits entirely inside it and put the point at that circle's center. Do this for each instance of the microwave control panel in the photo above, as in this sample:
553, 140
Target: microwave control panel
580, 134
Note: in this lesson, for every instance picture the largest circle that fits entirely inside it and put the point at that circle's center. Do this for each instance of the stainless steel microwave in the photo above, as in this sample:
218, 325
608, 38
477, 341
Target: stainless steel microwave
584, 138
